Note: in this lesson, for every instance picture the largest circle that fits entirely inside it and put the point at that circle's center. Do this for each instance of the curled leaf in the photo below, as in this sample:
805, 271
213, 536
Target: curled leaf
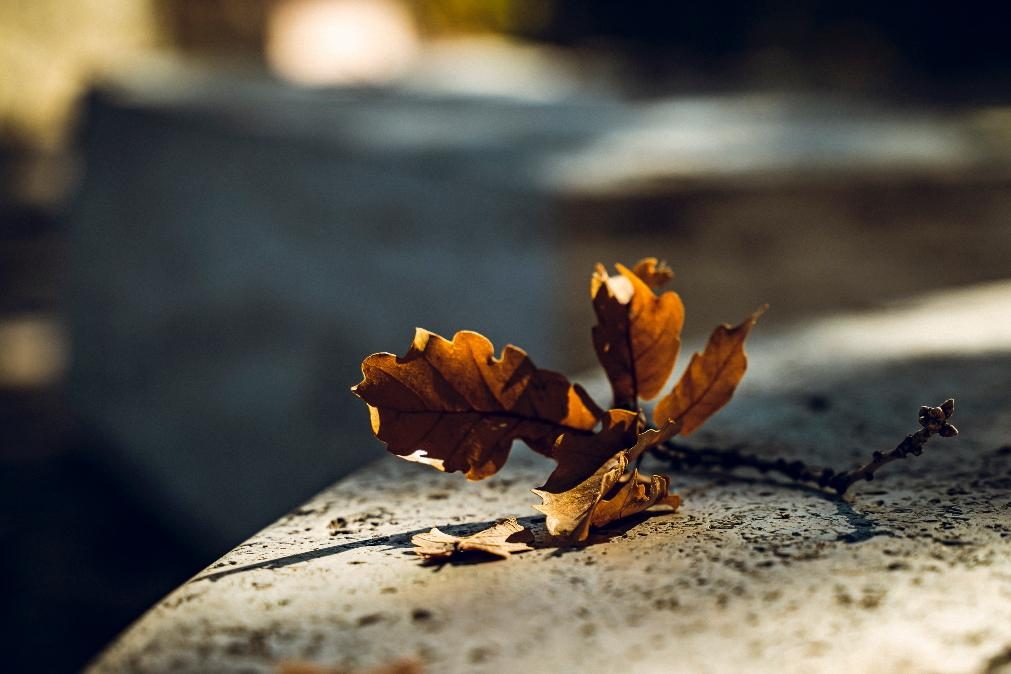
502, 540
603, 497
569, 513
636, 493
638, 335
590, 488
711, 378
454, 405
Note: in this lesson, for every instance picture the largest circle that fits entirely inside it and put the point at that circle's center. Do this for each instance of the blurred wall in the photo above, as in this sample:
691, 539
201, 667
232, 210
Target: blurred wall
236, 250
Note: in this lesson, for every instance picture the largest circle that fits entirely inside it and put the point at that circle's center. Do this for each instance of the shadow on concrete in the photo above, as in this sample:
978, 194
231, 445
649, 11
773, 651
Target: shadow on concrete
534, 523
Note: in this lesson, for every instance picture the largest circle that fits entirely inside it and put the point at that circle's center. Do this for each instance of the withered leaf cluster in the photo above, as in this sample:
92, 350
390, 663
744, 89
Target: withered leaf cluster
456, 406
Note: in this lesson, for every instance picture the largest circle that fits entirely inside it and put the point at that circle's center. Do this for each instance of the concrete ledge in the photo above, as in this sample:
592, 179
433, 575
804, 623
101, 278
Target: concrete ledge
911, 573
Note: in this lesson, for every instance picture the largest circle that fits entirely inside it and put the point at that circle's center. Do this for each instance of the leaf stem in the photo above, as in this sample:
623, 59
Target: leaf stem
933, 420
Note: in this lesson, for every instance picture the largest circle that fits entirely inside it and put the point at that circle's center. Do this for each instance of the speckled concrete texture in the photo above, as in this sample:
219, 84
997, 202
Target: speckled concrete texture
908, 573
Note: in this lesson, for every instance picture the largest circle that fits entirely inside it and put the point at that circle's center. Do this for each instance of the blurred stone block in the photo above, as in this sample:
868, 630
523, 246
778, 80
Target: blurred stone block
239, 247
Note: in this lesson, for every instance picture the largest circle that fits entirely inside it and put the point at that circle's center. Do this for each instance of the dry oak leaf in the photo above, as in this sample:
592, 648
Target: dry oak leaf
638, 335
636, 493
711, 378
454, 405
501, 540
589, 488
570, 514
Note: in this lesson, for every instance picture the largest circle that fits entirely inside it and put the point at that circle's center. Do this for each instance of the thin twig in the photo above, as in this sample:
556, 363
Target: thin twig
933, 420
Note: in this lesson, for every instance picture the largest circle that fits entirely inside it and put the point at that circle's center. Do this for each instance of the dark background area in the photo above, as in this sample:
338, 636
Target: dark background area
900, 48
129, 200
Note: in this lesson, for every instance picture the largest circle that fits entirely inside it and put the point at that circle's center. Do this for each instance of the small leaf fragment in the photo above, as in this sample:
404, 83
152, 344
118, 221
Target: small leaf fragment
711, 378
501, 540
454, 405
638, 335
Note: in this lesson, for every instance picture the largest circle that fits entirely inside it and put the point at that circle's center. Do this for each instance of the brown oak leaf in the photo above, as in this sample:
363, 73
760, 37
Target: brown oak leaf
638, 335
711, 378
590, 487
636, 493
501, 540
454, 405
569, 513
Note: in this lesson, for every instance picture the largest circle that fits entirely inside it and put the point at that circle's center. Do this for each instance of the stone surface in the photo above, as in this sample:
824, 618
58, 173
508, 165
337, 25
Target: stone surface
908, 573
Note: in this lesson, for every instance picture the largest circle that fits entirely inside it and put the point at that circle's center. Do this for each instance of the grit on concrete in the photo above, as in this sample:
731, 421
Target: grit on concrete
908, 573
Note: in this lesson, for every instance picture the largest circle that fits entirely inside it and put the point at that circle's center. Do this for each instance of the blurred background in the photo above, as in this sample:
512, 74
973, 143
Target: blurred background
211, 210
